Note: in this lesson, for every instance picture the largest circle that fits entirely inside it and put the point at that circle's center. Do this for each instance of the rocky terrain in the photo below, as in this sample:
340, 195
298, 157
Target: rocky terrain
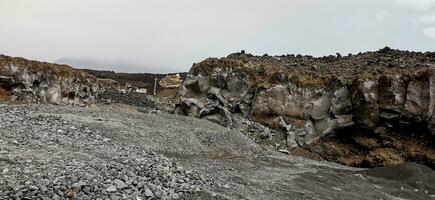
259, 116
115, 152
24, 80
365, 110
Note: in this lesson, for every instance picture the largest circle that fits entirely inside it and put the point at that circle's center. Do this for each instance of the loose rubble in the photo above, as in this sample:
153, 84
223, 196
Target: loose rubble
114, 152
120, 173
130, 98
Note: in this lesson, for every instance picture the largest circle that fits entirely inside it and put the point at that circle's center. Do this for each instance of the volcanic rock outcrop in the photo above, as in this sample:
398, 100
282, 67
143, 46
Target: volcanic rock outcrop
28, 80
308, 98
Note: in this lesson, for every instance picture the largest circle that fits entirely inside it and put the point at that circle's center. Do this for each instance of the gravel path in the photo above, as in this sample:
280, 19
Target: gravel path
115, 152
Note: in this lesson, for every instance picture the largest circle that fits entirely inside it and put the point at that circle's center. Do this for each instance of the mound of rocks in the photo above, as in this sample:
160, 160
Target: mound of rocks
308, 98
47, 157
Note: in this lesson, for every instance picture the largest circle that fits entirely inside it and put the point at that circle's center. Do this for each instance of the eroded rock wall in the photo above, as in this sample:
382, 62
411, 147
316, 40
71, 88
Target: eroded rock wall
57, 84
308, 98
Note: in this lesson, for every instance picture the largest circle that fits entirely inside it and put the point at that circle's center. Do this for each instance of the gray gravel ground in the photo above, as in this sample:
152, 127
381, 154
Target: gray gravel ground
115, 152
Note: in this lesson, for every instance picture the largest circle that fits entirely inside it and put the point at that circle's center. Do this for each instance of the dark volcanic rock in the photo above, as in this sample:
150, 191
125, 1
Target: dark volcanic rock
57, 84
131, 98
309, 98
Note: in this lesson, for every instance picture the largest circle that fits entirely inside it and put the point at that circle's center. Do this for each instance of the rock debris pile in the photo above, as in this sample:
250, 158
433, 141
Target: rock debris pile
39, 160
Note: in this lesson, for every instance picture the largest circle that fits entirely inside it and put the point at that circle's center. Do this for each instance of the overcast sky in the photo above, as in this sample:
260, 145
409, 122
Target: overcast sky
170, 35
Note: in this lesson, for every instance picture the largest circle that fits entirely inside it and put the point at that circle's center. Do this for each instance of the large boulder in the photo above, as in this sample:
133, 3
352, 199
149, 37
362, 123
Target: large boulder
171, 81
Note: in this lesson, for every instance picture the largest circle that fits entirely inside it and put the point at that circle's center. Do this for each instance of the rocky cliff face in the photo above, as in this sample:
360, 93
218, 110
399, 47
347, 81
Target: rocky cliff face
307, 98
57, 84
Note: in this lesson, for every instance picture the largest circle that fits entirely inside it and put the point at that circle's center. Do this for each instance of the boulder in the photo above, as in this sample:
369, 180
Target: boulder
278, 101
171, 81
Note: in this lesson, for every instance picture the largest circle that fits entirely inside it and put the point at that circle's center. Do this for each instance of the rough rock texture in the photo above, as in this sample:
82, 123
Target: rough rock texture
171, 81
47, 156
57, 84
4, 95
114, 152
308, 98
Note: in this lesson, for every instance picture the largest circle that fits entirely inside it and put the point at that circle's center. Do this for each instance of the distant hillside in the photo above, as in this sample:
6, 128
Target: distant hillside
141, 80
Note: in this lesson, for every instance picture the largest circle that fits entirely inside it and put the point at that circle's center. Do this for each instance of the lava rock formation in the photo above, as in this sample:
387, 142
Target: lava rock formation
309, 98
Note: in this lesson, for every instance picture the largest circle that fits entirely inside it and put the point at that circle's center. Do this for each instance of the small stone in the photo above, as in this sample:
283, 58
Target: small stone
226, 186
44, 189
315, 67
111, 189
158, 194
55, 196
284, 151
71, 194
32, 187
148, 193
87, 190
6, 170
381, 130
266, 133
119, 184
78, 186
140, 184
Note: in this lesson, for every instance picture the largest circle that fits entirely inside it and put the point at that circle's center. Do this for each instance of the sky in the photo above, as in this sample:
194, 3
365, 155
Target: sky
161, 36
